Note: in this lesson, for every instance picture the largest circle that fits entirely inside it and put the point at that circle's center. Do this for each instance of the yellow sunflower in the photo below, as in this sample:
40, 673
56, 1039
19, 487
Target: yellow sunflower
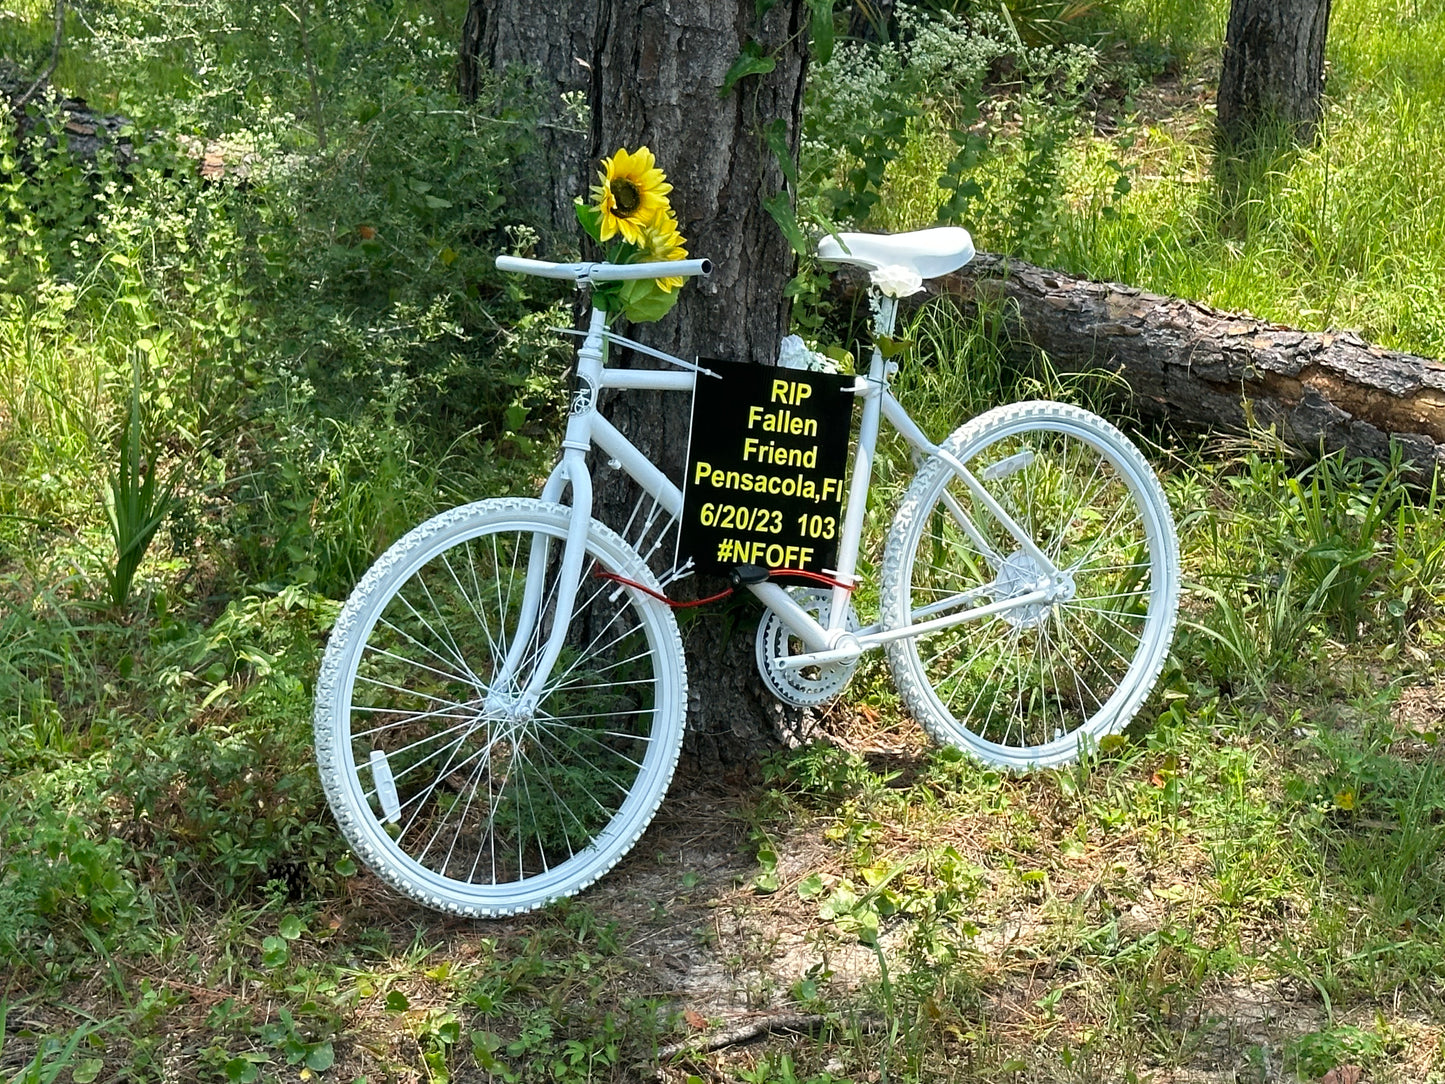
633, 193
661, 241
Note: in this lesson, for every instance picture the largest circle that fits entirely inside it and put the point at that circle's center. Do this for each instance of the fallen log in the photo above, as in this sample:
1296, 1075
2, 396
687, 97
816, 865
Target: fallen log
1198, 366
88, 133
50, 114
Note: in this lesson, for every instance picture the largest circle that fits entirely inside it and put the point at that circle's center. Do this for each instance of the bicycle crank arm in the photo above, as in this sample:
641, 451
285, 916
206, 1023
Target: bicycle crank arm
865, 642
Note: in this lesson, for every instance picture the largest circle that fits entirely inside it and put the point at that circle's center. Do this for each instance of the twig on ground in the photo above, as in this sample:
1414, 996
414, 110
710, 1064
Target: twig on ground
753, 1029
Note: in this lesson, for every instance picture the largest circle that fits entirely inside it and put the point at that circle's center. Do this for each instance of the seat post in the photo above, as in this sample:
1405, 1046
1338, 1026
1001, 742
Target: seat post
885, 314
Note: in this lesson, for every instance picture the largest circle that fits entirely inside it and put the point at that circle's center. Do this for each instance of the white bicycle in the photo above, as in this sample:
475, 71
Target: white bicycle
500, 707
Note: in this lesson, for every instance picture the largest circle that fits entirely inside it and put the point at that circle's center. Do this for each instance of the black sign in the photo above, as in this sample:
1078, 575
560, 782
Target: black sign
765, 469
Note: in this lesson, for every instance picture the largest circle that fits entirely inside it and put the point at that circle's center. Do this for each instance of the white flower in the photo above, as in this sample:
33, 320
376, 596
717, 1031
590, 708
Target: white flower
794, 353
896, 280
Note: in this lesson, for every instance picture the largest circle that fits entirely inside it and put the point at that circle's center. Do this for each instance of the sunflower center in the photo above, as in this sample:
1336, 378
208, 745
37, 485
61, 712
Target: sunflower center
625, 196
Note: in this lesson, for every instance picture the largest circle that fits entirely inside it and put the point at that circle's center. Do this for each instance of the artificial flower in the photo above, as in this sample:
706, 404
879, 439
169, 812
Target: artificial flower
633, 193
661, 241
897, 281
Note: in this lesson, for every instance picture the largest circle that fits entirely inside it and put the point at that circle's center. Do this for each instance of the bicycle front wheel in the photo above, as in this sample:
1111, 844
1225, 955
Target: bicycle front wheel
1032, 685
448, 779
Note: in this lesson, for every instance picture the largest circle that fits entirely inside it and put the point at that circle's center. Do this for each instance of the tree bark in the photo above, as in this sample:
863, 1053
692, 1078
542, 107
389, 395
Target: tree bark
653, 74
1273, 67
552, 50
1195, 365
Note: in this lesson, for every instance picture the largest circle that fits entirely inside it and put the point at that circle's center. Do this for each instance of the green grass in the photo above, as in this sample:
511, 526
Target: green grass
1346, 233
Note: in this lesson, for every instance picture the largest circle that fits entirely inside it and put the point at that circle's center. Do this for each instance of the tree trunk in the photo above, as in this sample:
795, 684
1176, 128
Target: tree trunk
653, 75
1273, 68
552, 49
1192, 364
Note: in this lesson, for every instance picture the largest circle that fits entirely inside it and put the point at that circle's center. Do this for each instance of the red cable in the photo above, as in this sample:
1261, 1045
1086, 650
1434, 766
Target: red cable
800, 572
814, 576
658, 594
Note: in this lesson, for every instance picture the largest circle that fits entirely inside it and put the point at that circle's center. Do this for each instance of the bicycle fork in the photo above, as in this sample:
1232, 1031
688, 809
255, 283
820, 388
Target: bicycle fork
505, 697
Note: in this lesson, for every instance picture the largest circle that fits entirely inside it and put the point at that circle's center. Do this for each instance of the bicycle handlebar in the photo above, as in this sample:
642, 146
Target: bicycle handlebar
582, 273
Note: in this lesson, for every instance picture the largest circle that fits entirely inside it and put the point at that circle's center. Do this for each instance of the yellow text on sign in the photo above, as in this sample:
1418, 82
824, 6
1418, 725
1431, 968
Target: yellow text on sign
791, 392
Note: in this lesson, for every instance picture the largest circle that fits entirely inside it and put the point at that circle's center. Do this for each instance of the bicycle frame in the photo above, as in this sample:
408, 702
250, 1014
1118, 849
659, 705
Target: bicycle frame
828, 642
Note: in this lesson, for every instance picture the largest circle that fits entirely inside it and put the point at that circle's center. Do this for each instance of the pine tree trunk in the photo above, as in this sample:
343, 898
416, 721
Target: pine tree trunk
1273, 68
652, 74
551, 49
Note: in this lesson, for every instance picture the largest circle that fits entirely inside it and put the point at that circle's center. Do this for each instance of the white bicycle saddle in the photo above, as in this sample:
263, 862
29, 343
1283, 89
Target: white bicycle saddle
929, 252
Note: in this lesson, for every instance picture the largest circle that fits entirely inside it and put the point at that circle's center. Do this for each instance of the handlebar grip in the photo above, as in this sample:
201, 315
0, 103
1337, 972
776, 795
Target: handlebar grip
661, 269
541, 268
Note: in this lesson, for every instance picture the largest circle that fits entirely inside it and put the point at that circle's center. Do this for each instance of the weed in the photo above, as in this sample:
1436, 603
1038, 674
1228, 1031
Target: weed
55, 1055
1318, 1052
136, 502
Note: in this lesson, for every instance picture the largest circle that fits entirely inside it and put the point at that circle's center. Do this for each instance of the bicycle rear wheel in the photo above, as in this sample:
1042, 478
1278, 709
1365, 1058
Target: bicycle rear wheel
1034, 684
444, 778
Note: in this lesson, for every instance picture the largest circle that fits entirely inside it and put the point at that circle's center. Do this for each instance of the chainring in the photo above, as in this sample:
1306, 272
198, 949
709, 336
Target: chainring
812, 684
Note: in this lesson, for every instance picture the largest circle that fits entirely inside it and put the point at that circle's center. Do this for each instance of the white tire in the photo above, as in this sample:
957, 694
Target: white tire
456, 793
1037, 684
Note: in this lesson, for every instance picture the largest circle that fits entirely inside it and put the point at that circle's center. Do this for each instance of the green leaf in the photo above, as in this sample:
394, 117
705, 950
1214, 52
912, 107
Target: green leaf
86, 1070
890, 347
591, 219
607, 296
643, 301
867, 921
767, 881
840, 903
320, 1057
776, 133
241, 1071
751, 61
822, 29
291, 927
810, 886
396, 1001
274, 952
781, 208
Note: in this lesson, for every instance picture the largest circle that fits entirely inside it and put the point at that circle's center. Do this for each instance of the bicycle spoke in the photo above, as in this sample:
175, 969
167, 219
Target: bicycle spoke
408, 692
421, 666
1039, 677
385, 623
